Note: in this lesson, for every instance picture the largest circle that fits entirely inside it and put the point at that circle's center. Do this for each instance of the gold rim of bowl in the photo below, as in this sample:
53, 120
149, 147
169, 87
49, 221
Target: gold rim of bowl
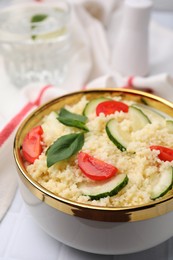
107, 214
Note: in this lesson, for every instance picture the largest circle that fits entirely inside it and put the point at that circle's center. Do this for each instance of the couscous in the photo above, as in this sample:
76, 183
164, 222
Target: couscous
104, 152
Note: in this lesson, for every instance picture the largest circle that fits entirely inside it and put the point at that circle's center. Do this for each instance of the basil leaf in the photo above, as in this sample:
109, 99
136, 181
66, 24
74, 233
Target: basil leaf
65, 113
33, 37
38, 18
71, 122
64, 147
71, 119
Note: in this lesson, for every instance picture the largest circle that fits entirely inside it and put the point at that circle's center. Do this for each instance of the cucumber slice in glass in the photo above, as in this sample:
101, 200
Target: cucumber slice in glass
116, 135
50, 35
163, 185
90, 107
102, 189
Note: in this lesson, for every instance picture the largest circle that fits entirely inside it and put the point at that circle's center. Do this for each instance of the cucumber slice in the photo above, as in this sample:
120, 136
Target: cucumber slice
50, 35
121, 138
138, 118
98, 190
163, 185
116, 135
151, 113
169, 125
91, 105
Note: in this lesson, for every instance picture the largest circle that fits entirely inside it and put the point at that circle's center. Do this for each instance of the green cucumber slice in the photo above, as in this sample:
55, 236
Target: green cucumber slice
138, 118
169, 126
151, 113
98, 190
50, 35
164, 184
121, 138
91, 105
116, 135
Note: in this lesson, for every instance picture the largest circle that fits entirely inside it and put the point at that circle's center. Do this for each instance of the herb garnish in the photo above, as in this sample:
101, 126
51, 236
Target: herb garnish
64, 147
72, 119
36, 19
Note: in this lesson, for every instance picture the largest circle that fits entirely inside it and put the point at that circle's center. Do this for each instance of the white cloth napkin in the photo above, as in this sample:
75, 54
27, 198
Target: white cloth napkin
30, 97
94, 25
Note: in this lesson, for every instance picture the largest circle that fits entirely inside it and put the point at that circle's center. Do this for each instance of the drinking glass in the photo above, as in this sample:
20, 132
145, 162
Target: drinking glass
35, 41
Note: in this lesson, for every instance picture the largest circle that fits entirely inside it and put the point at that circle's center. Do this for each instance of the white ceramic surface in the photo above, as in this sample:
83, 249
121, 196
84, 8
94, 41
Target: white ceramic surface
166, 5
38, 245
131, 55
95, 236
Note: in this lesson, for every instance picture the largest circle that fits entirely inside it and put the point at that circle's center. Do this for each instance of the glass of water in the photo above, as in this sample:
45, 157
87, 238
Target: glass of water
35, 41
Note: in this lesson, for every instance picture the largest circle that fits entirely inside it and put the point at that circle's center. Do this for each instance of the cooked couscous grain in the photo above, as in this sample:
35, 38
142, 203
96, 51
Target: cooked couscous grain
139, 162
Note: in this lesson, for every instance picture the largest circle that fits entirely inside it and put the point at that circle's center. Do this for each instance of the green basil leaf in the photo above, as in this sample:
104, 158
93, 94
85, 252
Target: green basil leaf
71, 119
71, 122
38, 18
33, 37
64, 147
67, 114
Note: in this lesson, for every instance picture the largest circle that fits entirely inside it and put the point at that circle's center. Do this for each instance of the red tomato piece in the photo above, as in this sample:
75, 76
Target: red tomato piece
94, 168
110, 107
166, 154
36, 130
31, 147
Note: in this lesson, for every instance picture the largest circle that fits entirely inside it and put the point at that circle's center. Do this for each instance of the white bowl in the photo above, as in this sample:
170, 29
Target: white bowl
101, 230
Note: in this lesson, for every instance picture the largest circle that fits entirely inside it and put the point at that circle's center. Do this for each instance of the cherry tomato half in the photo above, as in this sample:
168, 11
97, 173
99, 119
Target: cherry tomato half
110, 107
31, 147
166, 154
94, 168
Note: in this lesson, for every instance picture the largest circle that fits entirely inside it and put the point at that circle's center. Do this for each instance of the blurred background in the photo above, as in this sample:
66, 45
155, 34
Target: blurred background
162, 9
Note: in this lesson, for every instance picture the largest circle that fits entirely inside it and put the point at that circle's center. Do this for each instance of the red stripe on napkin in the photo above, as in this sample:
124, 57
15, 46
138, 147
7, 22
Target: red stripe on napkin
13, 123
9, 128
129, 83
38, 99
